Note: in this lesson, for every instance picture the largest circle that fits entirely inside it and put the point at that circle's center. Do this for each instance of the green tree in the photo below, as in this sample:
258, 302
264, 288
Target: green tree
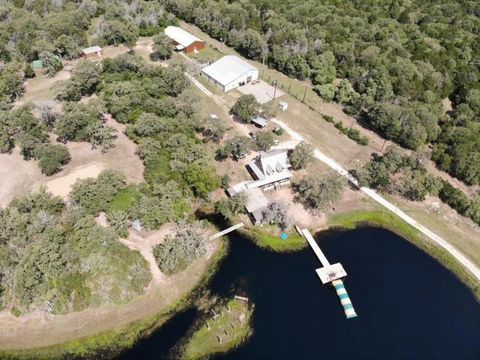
84, 81
162, 48
29, 72
201, 179
317, 192
51, 63
301, 155
52, 158
94, 195
152, 212
176, 252
264, 140
245, 108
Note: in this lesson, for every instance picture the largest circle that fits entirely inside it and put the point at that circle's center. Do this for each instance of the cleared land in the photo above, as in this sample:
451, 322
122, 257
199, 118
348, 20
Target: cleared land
19, 176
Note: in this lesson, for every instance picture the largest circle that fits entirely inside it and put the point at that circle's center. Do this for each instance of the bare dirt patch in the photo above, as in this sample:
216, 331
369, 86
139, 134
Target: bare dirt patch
144, 47
144, 243
296, 211
42, 88
19, 176
61, 186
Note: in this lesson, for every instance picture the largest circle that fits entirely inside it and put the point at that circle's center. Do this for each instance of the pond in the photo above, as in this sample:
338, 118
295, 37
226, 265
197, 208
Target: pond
409, 306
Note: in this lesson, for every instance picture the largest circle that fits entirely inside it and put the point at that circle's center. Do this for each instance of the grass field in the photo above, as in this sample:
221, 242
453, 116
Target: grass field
227, 331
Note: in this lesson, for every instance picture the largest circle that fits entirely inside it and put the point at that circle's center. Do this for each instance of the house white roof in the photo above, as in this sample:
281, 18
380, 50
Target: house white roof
180, 36
92, 49
270, 163
228, 69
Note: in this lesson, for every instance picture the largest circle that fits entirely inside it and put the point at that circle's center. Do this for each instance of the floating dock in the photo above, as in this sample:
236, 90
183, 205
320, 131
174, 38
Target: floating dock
331, 274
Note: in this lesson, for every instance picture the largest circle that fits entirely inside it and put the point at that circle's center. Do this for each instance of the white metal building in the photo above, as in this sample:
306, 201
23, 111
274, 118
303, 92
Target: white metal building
230, 72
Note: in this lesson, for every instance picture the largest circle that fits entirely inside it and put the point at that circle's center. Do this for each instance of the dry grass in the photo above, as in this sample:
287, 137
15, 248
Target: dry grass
19, 176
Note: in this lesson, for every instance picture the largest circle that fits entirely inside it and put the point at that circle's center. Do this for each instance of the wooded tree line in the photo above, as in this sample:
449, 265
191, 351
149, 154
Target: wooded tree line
407, 176
53, 253
56, 30
401, 59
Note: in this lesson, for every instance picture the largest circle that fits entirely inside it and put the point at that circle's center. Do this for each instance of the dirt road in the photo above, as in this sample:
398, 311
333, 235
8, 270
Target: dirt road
368, 192
382, 201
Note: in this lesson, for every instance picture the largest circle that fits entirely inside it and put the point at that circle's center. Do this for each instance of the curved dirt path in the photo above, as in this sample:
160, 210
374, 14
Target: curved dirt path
460, 257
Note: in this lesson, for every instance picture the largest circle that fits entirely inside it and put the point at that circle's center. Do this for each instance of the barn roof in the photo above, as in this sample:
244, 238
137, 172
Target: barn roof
180, 36
228, 69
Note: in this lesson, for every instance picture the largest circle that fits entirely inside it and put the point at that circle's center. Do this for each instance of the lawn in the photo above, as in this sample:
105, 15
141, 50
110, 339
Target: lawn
206, 55
125, 199
268, 237
228, 330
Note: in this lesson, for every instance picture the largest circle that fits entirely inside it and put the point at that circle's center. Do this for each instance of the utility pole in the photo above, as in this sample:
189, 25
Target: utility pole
274, 88
305, 93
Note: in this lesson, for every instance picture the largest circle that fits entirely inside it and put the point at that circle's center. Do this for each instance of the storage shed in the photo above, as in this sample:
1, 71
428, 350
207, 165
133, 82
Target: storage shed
92, 52
230, 72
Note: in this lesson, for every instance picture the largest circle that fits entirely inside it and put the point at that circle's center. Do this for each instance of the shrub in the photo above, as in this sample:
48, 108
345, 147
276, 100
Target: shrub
176, 252
95, 195
52, 158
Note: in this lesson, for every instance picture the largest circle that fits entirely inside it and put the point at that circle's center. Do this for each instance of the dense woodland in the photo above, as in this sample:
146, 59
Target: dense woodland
401, 59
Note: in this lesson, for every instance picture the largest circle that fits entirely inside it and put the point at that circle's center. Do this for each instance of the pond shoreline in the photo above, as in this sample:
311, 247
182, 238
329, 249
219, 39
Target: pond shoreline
114, 342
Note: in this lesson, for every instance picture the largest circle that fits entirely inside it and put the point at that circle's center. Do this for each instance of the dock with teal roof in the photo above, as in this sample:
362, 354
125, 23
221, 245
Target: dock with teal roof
331, 274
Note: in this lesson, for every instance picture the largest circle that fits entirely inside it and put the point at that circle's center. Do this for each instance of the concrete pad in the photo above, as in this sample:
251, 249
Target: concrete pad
262, 91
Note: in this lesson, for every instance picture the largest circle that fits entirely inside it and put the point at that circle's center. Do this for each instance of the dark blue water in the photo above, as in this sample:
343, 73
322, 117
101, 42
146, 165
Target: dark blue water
409, 306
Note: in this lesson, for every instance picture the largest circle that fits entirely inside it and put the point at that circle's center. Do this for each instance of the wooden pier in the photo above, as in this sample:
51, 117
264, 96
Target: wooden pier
227, 230
331, 274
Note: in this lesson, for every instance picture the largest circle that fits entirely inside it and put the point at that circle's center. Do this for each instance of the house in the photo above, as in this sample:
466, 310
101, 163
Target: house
183, 40
230, 72
270, 169
92, 52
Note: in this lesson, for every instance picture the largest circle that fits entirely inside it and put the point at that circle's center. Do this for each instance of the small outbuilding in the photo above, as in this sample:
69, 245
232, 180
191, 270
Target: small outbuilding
230, 72
256, 204
283, 105
92, 52
183, 40
259, 121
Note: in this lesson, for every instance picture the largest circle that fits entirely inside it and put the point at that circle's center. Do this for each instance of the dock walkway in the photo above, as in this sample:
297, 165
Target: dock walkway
331, 274
227, 230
